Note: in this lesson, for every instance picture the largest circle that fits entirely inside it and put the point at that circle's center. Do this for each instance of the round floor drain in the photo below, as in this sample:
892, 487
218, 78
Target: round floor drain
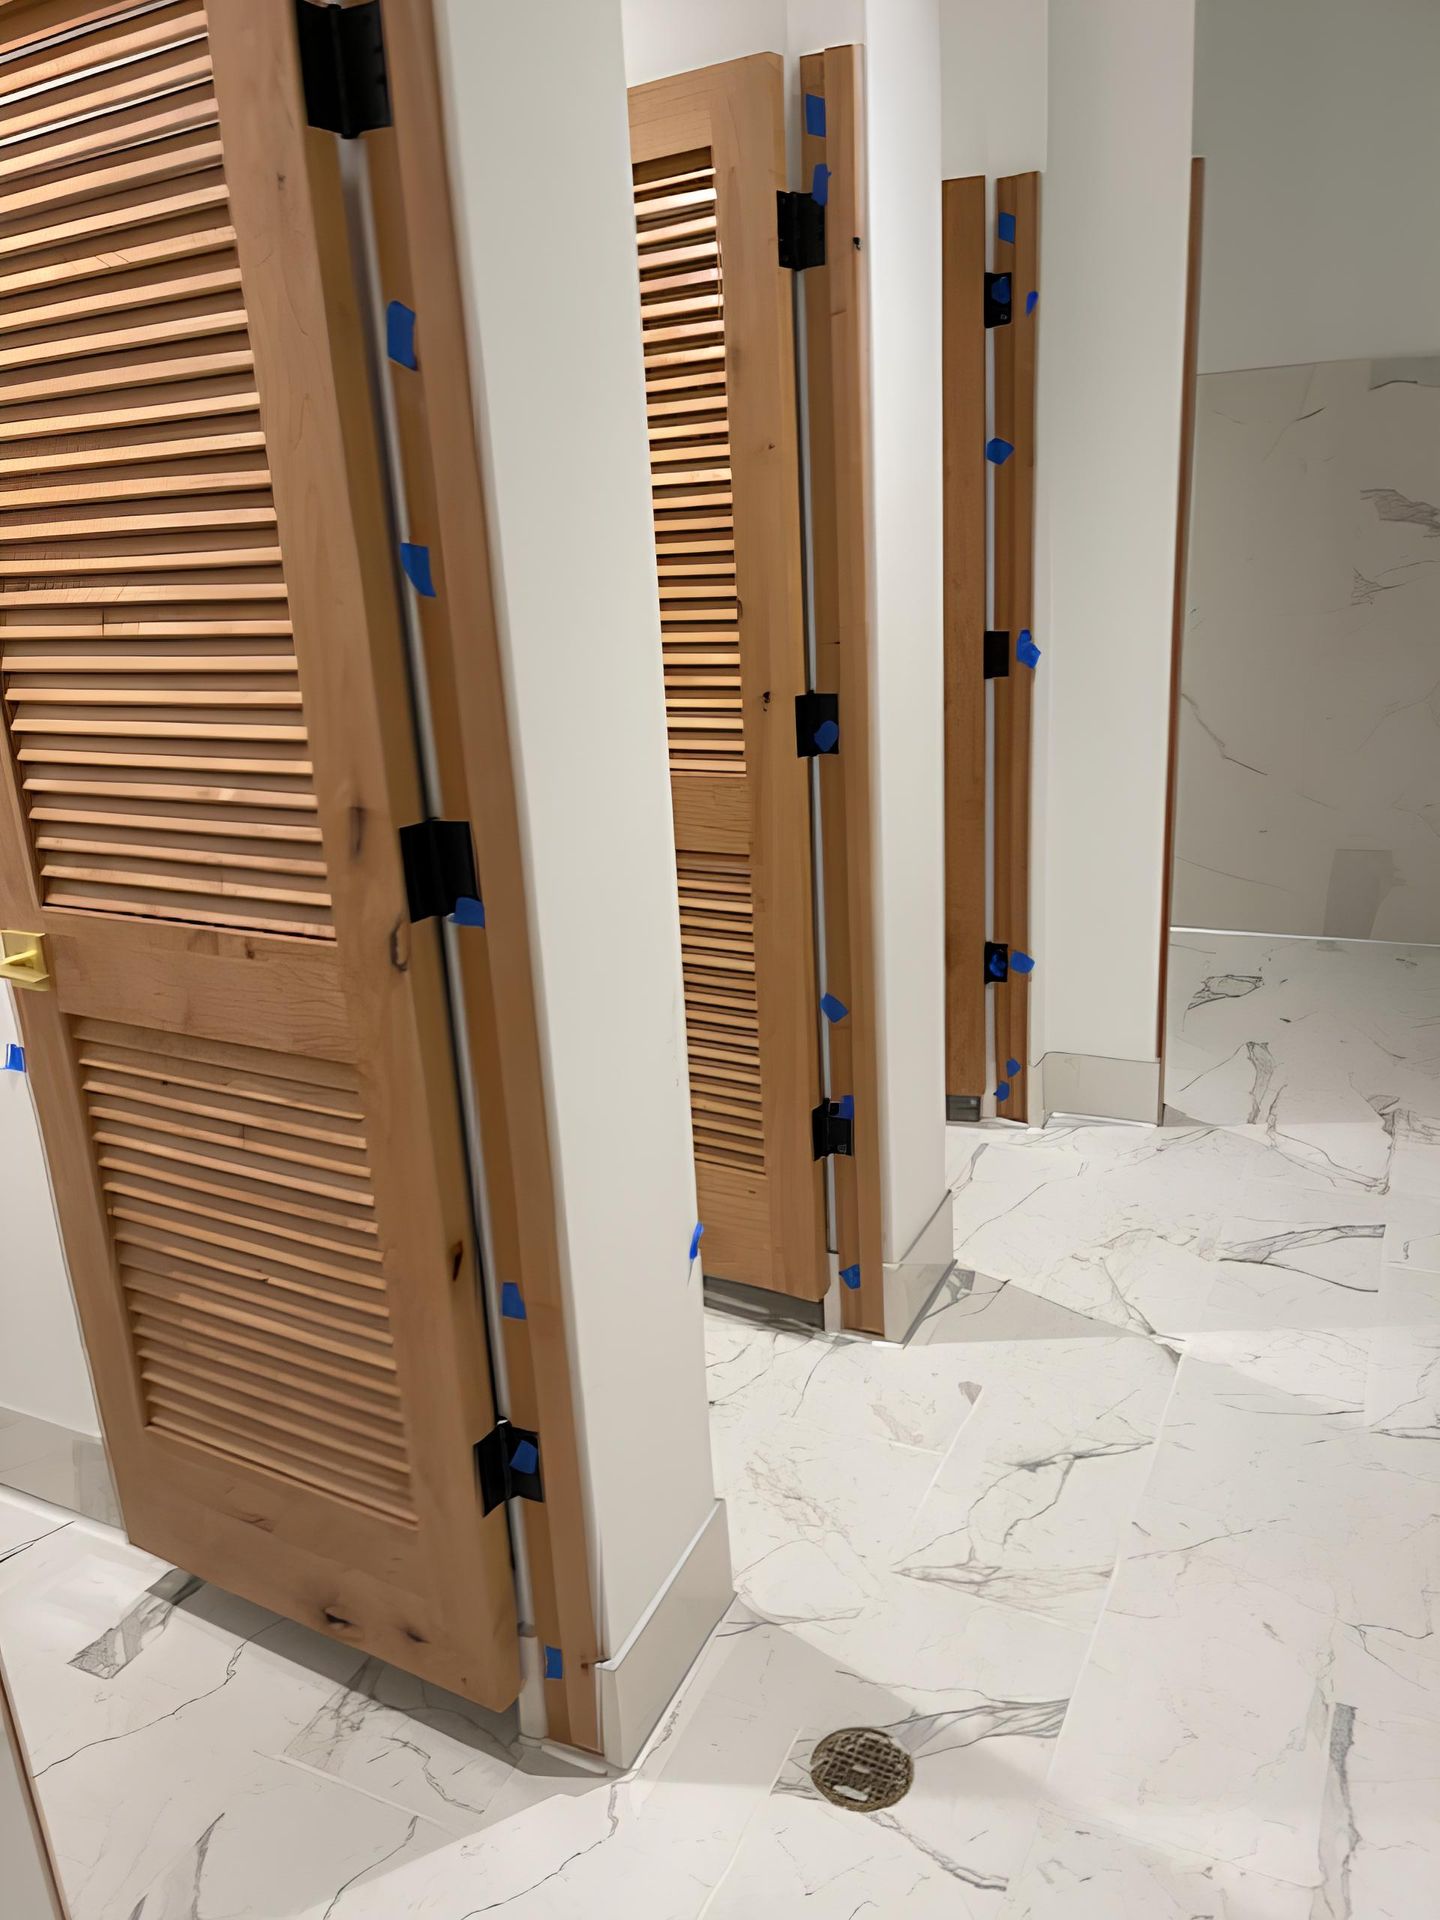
861, 1768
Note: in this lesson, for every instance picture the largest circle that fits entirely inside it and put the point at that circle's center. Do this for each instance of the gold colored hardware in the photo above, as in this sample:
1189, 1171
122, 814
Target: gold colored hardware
23, 960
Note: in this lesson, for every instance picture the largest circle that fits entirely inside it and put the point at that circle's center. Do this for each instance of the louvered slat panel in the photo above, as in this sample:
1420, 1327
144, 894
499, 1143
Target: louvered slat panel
683, 316
238, 1191
151, 686
717, 945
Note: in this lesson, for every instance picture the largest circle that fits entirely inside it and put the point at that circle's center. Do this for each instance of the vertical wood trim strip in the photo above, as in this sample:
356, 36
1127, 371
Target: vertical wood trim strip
838, 369
966, 825
1018, 195
416, 236
44, 1852
1182, 565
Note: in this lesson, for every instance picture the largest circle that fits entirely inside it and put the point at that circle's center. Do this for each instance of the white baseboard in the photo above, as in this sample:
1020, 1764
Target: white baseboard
1102, 1088
639, 1682
909, 1283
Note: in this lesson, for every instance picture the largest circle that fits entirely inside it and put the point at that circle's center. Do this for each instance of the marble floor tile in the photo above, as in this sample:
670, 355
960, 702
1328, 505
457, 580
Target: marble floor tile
1079, 1872
814, 1519
845, 1386
1288, 1259
1381, 1833
1201, 1721
976, 1695
1032, 1502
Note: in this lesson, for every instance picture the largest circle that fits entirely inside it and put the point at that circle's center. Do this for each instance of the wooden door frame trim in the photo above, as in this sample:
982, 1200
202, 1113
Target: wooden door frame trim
498, 966
1014, 574
1185, 489
967, 824
838, 367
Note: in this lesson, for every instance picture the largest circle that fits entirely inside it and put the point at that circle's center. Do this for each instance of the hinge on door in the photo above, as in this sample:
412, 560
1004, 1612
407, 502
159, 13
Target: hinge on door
997, 654
832, 1128
817, 724
801, 224
439, 861
997, 962
997, 299
508, 1463
342, 66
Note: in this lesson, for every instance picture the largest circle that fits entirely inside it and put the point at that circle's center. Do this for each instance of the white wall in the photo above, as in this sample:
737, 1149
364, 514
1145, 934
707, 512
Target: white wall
903, 66
42, 1364
1112, 302
556, 339
1321, 137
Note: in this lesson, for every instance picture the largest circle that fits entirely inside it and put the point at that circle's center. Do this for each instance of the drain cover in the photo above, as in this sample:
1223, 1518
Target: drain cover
861, 1768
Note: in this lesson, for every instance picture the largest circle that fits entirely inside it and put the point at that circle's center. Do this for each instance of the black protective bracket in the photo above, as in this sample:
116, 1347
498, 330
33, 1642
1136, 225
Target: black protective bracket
800, 221
501, 1479
832, 1130
342, 66
817, 724
997, 654
439, 861
997, 962
997, 299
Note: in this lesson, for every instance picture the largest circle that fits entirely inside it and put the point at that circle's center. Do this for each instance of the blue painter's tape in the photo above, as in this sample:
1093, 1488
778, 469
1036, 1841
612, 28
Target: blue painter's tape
1026, 651
832, 1008
400, 333
815, 115
820, 184
1002, 1092
14, 1059
851, 1277
554, 1664
512, 1302
416, 562
998, 451
468, 912
826, 734
1000, 290
1012, 1066
1020, 962
526, 1457
1032, 300
696, 1238
847, 1106
1005, 226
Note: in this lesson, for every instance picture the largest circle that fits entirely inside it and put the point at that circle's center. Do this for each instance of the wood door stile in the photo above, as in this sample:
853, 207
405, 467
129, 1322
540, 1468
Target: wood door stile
242, 1072
445, 509
838, 378
717, 317
1017, 196
966, 825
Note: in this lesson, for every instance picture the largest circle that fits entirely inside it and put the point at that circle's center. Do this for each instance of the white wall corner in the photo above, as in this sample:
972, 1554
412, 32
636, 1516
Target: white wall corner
911, 1282
580, 644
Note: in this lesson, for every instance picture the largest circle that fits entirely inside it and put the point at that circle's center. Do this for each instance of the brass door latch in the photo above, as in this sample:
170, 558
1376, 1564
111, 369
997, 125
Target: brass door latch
23, 960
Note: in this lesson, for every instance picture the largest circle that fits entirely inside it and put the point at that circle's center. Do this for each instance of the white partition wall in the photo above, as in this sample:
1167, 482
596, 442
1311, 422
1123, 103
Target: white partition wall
539, 146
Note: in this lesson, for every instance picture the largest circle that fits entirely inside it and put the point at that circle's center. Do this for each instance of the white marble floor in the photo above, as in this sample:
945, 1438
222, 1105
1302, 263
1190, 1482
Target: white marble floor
1135, 1548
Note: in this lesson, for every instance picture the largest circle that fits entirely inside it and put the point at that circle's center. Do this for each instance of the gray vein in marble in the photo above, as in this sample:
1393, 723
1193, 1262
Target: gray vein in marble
1225, 986
128, 1733
1224, 752
25, 1545
1390, 505
1340, 1839
970, 1876
612, 1814
1269, 1251
189, 1909
373, 1867
113, 1651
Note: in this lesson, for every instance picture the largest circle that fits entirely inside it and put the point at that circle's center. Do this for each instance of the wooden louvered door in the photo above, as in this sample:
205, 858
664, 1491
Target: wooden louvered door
241, 1064
716, 310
